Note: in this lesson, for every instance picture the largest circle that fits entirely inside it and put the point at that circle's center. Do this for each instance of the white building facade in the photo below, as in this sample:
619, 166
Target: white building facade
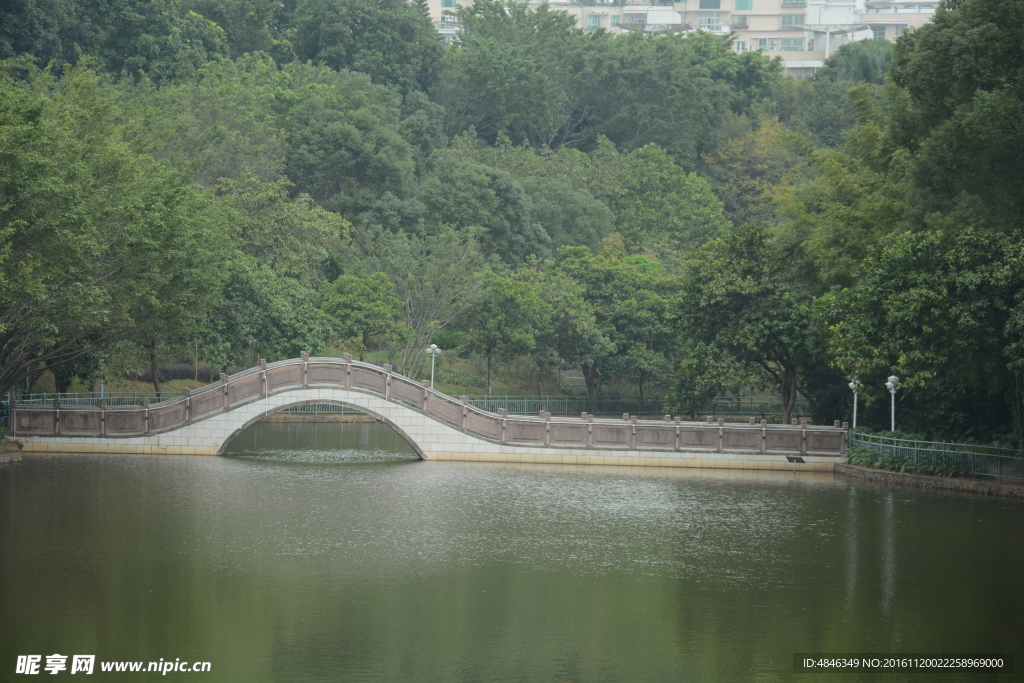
803, 32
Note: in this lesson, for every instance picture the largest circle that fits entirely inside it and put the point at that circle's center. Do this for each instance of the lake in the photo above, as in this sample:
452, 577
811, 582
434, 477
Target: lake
328, 552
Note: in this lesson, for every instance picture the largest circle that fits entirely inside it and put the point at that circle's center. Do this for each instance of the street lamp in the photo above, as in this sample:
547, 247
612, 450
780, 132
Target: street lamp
854, 387
433, 352
892, 385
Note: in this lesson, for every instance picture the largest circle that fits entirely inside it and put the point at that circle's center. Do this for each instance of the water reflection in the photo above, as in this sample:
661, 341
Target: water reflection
331, 554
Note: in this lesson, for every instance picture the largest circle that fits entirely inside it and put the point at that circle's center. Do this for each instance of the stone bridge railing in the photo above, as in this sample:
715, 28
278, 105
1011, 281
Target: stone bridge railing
268, 379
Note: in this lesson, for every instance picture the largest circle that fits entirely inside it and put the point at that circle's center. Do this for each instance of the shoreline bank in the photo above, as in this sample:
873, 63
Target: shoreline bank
923, 481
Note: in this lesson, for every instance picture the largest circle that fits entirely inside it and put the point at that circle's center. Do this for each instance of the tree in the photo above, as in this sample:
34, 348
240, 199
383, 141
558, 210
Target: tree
740, 315
435, 277
363, 307
345, 148
858, 62
463, 193
97, 242
664, 207
958, 91
628, 296
504, 321
937, 309
293, 237
388, 40
571, 335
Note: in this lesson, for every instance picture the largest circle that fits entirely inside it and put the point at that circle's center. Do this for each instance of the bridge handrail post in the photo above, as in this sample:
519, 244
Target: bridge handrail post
12, 414
346, 358
387, 381
186, 393
304, 377
56, 416
721, 435
632, 432
590, 430
547, 428
465, 411
102, 405
679, 435
263, 375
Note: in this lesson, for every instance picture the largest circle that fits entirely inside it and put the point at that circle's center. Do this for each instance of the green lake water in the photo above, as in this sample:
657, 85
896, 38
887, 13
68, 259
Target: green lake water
328, 552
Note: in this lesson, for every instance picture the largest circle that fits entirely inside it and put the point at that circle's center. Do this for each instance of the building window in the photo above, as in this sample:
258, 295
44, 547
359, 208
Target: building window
878, 32
792, 44
901, 30
792, 20
741, 46
710, 4
710, 21
447, 3
762, 43
615, 21
593, 21
744, 4
739, 21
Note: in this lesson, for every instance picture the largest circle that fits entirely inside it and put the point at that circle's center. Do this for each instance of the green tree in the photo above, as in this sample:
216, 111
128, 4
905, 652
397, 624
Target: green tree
504, 321
937, 309
389, 40
857, 62
664, 207
294, 237
628, 296
740, 317
98, 244
435, 278
958, 102
463, 193
363, 307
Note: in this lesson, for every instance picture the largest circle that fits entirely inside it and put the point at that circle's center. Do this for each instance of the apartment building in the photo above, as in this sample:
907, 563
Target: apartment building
803, 32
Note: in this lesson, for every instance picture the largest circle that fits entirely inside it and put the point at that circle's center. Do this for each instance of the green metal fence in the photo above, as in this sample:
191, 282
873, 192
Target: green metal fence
972, 459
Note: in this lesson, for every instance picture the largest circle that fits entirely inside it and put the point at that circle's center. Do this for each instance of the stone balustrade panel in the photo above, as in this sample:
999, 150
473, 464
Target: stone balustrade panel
36, 421
824, 442
406, 392
363, 378
745, 440
612, 435
787, 442
655, 437
445, 411
204, 403
698, 438
524, 432
245, 388
287, 376
80, 422
166, 417
569, 434
323, 373
484, 426
125, 422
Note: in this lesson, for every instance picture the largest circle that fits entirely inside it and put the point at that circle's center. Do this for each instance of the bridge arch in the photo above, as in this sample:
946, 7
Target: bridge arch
322, 401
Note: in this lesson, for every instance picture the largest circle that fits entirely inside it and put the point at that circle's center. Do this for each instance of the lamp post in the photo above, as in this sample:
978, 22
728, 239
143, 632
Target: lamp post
892, 385
433, 352
854, 387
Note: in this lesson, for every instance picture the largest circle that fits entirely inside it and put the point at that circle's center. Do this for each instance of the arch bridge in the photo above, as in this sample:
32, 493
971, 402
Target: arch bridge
437, 426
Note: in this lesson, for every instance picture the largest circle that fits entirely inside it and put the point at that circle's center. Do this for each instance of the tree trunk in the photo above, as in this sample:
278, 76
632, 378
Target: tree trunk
154, 368
488, 374
540, 378
590, 375
788, 393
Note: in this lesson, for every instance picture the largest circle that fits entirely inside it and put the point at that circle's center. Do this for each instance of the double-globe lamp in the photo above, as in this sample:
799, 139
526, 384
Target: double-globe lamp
892, 385
433, 351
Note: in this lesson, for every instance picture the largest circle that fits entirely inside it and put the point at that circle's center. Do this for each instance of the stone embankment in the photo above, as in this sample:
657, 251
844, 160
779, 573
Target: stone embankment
11, 452
921, 481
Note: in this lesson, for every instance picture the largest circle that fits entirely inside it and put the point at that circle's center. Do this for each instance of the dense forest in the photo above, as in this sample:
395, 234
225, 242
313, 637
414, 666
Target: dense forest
256, 178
